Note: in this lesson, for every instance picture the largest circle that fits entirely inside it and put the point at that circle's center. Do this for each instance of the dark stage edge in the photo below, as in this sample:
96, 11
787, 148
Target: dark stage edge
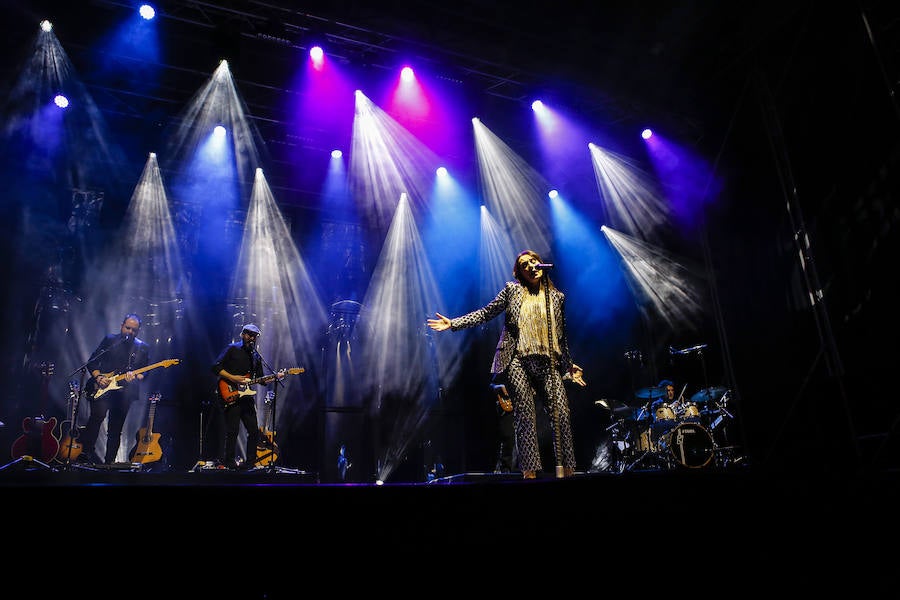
694, 532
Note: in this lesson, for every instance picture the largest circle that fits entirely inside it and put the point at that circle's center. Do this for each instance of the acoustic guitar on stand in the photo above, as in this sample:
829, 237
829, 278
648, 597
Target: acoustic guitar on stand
69, 446
147, 449
231, 392
266, 448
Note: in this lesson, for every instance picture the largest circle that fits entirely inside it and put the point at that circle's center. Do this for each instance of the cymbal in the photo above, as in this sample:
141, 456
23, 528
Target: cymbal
620, 410
707, 394
650, 393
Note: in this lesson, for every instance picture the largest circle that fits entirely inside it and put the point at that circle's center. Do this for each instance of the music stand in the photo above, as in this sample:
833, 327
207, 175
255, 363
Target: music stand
213, 409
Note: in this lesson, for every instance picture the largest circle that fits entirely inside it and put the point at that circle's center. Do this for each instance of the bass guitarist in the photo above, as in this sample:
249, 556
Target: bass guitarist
237, 364
113, 386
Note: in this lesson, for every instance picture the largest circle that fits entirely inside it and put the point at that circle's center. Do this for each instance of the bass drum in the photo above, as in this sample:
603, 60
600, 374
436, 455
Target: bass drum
689, 444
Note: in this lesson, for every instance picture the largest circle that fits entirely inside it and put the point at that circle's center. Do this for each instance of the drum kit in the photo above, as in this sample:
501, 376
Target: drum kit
654, 431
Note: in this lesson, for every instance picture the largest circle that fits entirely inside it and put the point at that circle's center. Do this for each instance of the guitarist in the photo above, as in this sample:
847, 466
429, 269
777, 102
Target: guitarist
506, 435
117, 354
238, 363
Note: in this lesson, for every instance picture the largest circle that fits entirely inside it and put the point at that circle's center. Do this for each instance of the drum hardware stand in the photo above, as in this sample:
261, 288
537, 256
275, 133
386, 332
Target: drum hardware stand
615, 431
27, 458
645, 410
725, 455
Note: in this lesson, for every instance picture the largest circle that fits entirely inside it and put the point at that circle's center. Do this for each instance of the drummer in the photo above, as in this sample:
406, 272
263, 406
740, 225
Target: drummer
663, 409
668, 398
683, 411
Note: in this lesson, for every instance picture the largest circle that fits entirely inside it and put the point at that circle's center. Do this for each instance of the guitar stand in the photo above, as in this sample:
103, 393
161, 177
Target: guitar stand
29, 460
271, 467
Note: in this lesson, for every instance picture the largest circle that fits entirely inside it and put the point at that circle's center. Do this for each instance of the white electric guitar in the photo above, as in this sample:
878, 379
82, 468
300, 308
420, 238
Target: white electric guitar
115, 379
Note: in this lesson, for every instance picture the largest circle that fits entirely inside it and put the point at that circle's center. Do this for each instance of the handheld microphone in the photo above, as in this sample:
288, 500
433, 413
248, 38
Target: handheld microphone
544, 265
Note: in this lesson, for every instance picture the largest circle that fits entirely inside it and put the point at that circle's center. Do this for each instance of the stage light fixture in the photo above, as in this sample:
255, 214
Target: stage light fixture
336, 154
537, 105
46, 26
61, 101
406, 74
552, 194
646, 134
147, 12
442, 171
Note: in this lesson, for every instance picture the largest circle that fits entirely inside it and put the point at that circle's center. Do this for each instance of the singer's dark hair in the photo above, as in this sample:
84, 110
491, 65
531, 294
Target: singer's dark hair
517, 269
134, 316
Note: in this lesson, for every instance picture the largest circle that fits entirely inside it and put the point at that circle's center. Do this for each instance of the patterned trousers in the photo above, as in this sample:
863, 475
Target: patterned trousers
529, 378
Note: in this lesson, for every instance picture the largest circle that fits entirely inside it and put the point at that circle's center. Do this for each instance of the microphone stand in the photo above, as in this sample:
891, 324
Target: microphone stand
73, 425
557, 447
271, 467
81, 392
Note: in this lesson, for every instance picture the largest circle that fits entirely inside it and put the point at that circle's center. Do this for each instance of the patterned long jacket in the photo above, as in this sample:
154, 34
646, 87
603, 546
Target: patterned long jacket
509, 299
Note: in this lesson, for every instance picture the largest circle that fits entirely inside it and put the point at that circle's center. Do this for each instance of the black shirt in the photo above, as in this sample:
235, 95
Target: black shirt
116, 355
238, 359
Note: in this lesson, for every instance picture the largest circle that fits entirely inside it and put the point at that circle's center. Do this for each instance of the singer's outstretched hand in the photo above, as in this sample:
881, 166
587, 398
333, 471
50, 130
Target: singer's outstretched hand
577, 375
442, 323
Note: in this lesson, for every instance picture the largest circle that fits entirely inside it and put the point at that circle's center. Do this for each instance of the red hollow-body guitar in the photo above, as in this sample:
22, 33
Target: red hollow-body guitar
37, 439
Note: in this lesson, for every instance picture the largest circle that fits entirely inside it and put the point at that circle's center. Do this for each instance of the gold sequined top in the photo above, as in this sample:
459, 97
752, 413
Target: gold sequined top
533, 326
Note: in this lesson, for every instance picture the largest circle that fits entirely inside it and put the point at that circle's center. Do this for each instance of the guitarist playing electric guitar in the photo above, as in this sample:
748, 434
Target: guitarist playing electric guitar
117, 367
238, 366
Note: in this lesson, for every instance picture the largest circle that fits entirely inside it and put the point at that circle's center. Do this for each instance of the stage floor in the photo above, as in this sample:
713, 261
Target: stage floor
742, 527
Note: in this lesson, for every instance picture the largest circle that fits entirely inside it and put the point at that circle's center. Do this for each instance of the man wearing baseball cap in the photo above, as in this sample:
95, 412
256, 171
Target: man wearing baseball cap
236, 365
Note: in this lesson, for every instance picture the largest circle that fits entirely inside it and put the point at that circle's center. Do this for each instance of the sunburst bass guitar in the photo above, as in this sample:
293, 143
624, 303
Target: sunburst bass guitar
231, 392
